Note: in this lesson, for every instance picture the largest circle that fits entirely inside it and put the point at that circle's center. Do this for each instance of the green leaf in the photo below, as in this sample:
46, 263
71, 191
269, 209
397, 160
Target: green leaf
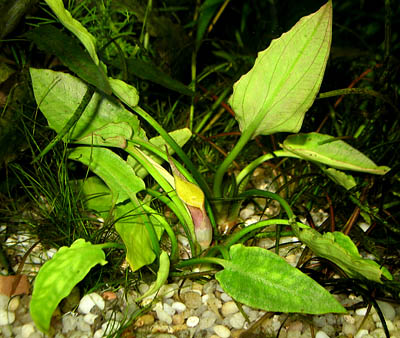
207, 11
328, 150
58, 276
58, 95
75, 27
276, 93
261, 279
339, 177
125, 92
71, 54
162, 276
112, 169
339, 249
148, 71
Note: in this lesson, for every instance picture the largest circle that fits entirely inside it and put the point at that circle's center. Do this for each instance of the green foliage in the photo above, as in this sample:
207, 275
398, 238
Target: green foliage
262, 279
272, 97
59, 276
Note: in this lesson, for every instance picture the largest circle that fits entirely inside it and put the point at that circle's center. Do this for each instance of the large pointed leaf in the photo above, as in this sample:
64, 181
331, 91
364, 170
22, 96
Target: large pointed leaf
58, 276
333, 152
71, 54
261, 279
59, 94
276, 93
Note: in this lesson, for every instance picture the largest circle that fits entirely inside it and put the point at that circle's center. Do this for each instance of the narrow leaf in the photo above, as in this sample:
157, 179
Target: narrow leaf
276, 93
58, 276
337, 153
87, 39
71, 54
261, 279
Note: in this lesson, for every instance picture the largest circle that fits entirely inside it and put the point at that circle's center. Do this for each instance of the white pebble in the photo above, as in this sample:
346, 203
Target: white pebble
389, 325
13, 304
321, 334
163, 316
229, 308
225, 297
69, 322
169, 309
205, 298
6, 317
4, 301
362, 311
237, 321
110, 326
99, 334
143, 287
361, 333
27, 330
387, 309
89, 301
89, 318
178, 307
222, 331
168, 290
192, 321
349, 329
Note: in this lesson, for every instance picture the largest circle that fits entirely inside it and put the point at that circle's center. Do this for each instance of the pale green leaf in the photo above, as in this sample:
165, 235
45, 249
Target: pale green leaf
58, 276
59, 94
330, 151
339, 177
285, 79
261, 279
75, 27
125, 92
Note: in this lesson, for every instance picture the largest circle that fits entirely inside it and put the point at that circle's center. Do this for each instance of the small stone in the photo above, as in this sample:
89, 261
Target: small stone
237, 321
178, 306
163, 316
378, 333
168, 290
178, 319
109, 295
143, 287
361, 333
361, 311
387, 309
89, 318
82, 325
349, 329
192, 299
110, 326
321, 334
4, 301
169, 309
89, 301
99, 334
349, 319
222, 331
192, 321
208, 319
229, 308
13, 304
225, 297
69, 322
6, 317
389, 325
27, 330
147, 319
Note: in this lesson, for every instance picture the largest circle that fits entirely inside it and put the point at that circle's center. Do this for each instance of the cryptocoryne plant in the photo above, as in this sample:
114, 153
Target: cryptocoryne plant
99, 114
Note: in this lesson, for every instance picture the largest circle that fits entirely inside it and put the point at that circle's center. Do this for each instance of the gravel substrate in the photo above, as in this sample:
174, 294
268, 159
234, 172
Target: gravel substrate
194, 311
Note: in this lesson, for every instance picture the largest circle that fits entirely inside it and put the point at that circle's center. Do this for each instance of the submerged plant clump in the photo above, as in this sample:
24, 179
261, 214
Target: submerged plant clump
101, 121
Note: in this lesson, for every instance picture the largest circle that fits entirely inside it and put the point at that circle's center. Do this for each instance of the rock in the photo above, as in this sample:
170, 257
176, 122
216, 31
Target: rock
192, 321
192, 299
361, 311
237, 321
349, 329
178, 306
222, 331
178, 319
169, 309
27, 330
208, 319
225, 297
110, 326
89, 318
321, 334
4, 301
69, 322
6, 317
387, 309
89, 301
229, 308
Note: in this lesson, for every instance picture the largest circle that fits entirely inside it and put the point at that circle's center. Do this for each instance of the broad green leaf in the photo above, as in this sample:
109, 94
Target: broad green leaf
58, 276
181, 136
339, 249
125, 92
336, 153
148, 71
75, 27
71, 54
112, 169
59, 94
111, 135
285, 79
261, 279
339, 177
162, 276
